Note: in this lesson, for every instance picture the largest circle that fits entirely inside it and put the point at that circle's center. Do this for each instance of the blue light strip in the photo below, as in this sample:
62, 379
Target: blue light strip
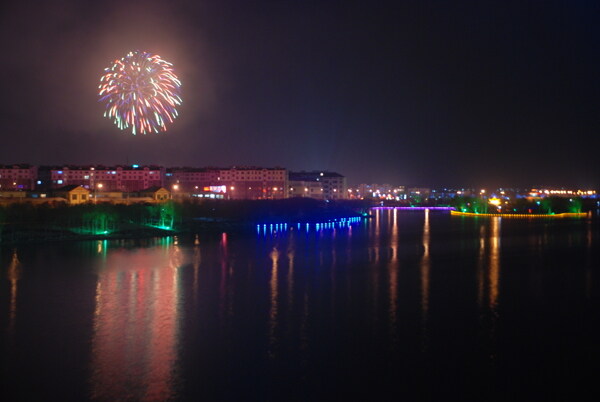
318, 226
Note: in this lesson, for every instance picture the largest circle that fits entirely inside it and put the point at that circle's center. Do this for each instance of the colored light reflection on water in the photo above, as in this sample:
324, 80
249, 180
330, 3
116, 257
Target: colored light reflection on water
416, 305
136, 323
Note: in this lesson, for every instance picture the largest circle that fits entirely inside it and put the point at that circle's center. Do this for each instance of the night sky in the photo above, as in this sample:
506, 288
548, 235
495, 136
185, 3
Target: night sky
432, 93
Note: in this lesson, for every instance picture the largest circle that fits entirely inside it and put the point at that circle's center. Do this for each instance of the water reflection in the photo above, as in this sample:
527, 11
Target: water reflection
494, 280
13, 274
375, 237
425, 266
385, 324
136, 324
274, 306
588, 271
481, 267
491, 281
224, 305
393, 270
290, 275
304, 341
196, 260
394, 237
102, 248
494, 265
349, 245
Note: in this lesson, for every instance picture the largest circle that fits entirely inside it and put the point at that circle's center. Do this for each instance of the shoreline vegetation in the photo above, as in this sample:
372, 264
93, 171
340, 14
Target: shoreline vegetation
540, 207
524, 216
27, 222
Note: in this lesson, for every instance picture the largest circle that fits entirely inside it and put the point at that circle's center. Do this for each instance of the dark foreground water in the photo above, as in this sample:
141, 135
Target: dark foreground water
406, 306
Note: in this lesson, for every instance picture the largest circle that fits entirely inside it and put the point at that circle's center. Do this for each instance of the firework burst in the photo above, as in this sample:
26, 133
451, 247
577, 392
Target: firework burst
141, 91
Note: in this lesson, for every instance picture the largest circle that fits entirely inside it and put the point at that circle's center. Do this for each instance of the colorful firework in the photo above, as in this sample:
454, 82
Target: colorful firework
141, 91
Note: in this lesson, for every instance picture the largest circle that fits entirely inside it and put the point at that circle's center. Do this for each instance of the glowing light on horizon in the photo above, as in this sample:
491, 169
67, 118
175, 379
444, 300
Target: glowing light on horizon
495, 201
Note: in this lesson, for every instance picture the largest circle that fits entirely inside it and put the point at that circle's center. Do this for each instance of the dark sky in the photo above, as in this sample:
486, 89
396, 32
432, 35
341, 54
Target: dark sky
456, 93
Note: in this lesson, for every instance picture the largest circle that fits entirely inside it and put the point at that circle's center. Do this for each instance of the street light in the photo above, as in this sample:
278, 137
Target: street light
98, 187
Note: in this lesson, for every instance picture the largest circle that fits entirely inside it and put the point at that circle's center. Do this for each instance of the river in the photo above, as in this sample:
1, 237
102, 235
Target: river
403, 306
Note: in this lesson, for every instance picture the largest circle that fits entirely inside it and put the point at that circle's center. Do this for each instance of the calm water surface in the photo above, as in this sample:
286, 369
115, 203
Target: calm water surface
405, 306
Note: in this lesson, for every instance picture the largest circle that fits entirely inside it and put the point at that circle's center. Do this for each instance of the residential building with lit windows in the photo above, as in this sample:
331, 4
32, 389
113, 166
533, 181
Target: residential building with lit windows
190, 180
308, 189
318, 184
238, 182
18, 177
101, 178
255, 182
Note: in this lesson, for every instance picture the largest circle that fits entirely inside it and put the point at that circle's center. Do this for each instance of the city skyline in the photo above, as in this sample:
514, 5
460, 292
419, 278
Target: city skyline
466, 94
27, 177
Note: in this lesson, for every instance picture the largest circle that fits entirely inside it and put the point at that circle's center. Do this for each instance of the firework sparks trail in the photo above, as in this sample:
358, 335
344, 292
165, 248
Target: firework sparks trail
141, 92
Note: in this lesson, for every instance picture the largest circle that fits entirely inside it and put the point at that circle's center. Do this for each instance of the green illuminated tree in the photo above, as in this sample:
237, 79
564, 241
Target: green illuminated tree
546, 205
576, 204
479, 205
98, 222
162, 215
460, 203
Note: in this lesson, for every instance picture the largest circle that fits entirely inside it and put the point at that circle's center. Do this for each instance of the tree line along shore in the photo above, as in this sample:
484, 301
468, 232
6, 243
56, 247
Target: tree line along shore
27, 222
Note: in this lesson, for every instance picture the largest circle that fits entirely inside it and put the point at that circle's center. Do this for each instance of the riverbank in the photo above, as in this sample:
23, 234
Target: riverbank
526, 216
27, 223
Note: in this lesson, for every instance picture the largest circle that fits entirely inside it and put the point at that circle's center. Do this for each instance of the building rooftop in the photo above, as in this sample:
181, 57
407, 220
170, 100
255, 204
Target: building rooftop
68, 188
312, 175
100, 167
17, 166
152, 189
